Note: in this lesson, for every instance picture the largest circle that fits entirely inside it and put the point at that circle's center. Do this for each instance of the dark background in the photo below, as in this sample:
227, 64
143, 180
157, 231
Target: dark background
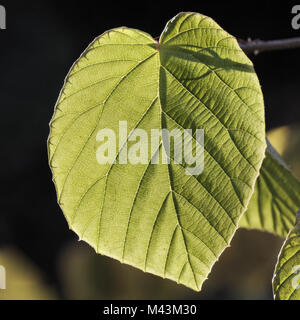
41, 42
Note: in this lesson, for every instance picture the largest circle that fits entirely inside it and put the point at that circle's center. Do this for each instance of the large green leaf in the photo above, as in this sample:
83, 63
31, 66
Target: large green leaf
286, 282
276, 197
157, 217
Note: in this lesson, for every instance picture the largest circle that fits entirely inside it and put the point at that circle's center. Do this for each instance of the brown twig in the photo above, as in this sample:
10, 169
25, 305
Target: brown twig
257, 46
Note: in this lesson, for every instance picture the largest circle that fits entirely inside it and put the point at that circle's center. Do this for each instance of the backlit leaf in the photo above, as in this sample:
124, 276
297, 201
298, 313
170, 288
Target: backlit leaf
286, 282
157, 217
276, 198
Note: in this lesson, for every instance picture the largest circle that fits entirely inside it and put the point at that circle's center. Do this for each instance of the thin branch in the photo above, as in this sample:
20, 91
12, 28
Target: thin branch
257, 46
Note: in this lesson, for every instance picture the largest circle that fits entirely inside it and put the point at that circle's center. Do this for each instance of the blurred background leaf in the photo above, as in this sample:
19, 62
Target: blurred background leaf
286, 140
23, 279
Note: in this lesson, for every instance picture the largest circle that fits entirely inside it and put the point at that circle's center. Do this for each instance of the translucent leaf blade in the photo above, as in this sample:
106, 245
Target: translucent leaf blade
286, 281
276, 198
156, 217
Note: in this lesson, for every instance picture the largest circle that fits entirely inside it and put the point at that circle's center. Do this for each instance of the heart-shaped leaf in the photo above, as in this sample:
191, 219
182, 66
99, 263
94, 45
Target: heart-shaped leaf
160, 218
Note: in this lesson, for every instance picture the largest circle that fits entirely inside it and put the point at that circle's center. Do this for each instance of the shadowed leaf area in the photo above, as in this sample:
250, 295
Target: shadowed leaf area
276, 197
